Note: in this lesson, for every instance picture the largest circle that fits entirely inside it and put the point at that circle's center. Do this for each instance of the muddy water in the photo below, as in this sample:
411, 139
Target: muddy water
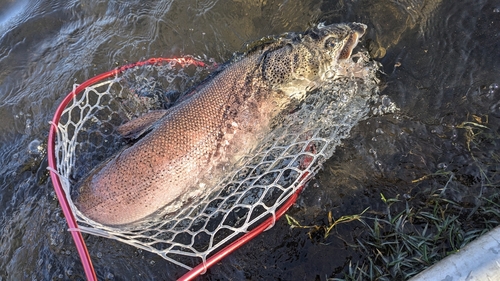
441, 66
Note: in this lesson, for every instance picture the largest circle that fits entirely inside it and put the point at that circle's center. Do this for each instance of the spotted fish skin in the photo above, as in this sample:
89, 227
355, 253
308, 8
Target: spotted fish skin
224, 118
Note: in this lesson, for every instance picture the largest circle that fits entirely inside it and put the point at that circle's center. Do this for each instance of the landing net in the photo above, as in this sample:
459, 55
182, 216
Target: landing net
248, 200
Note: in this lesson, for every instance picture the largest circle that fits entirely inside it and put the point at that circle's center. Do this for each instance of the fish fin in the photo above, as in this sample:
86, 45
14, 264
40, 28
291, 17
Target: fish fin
141, 125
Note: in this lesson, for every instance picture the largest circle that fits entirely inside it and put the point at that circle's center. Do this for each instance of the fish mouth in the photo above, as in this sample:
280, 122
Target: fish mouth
358, 31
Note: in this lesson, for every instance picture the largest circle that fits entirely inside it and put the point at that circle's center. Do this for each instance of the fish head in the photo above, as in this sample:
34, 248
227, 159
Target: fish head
334, 42
329, 47
305, 60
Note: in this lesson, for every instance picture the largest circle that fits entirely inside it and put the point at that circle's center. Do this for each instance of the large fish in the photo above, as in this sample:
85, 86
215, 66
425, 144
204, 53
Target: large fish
191, 144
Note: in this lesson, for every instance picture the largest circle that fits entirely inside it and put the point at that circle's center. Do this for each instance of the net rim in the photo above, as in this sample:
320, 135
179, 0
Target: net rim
70, 217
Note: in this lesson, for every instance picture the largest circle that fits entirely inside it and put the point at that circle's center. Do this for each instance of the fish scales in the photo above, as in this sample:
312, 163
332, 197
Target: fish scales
189, 147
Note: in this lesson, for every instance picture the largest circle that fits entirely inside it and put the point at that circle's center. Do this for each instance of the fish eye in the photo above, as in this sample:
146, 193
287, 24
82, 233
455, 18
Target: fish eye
330, 43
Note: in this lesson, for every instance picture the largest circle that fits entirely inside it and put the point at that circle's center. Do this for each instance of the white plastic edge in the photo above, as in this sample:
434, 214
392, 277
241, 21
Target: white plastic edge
477, 261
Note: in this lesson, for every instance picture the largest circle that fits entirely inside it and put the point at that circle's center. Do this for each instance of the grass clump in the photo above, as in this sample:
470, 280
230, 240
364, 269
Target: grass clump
450, 208
399, 244
437, 215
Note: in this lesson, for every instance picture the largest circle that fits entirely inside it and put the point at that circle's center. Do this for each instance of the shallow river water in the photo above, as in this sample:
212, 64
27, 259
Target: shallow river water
441, 63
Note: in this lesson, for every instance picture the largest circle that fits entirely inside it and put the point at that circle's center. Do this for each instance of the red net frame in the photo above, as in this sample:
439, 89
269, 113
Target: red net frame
70, 217
303, 141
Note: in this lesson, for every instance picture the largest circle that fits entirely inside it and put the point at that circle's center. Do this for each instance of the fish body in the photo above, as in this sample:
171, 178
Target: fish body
190, 145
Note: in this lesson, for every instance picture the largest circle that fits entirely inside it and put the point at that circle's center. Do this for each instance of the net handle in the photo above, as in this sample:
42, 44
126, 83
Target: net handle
218, 256
61, 196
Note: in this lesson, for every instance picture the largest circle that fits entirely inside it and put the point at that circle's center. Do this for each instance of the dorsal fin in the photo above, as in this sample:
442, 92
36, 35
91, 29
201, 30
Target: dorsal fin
141, 125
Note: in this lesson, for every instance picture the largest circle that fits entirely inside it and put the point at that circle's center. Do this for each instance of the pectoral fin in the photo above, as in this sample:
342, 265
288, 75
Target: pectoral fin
141, 125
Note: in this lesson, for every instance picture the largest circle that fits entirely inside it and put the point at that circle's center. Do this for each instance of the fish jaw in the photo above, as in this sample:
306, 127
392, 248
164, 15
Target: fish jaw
358, 30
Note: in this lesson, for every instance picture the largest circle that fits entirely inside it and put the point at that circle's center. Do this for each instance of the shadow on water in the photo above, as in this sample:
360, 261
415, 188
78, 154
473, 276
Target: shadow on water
441, 71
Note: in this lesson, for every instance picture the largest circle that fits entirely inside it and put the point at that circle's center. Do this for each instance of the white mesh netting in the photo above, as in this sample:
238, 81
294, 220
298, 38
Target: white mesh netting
281, 164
